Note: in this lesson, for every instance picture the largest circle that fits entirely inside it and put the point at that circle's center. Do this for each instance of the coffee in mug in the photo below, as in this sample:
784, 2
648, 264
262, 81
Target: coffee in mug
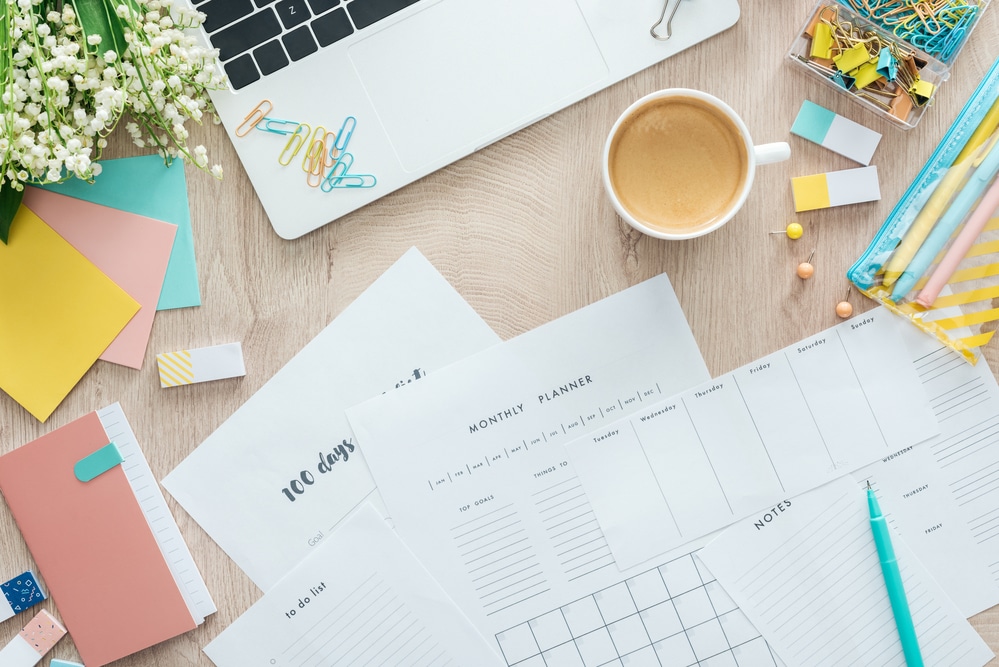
679, 163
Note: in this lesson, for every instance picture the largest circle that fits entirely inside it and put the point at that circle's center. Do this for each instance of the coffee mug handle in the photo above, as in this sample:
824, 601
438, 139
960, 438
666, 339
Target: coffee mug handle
770, 153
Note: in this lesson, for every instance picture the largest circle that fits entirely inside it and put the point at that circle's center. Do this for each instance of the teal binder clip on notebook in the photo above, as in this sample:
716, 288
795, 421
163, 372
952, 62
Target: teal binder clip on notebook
941, 233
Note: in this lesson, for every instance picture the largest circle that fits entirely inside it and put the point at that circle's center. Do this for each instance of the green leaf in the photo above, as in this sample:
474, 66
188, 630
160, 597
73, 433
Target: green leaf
10, 201
98, 17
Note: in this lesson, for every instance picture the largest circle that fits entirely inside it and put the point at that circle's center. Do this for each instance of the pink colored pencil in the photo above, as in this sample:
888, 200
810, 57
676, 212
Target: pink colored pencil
960, 247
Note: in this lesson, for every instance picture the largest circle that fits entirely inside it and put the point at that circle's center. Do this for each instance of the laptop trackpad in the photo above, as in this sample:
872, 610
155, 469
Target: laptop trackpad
458, 74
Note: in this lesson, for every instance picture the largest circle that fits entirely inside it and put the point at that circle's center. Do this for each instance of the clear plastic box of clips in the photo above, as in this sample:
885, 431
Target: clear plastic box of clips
889, 56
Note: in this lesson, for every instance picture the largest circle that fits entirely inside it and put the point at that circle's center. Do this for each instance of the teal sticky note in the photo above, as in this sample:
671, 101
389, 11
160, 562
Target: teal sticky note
56, 662
98, 463
146, 186
813, 122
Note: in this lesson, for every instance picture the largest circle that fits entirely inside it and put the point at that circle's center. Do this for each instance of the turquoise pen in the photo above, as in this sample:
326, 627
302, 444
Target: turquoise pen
985, 170
893, 582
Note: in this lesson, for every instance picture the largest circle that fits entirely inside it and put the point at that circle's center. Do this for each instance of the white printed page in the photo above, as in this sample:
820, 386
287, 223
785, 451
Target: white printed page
788, 422
918, 504
360, 598
965, 401
807, 575
276, 478
472, 466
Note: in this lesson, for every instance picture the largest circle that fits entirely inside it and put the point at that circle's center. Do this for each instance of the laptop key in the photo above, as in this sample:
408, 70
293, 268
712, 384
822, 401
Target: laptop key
263, 3
332, 27
220, 13
320, 6
241, 72
246, 34
292, 12
366, 12
299, 43
270, 57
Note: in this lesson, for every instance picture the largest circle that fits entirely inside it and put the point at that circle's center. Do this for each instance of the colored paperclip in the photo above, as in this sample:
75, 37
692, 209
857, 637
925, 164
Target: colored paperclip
345, 133
338, 176
258, 113
294, 144
277, 125
316, 149
320, 163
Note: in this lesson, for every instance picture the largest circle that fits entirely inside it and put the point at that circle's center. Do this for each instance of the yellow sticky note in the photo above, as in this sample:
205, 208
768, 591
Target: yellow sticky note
810, 192
57, 314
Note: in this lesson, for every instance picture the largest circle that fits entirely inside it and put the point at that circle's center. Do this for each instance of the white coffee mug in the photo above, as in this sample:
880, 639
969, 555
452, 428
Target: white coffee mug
720, 126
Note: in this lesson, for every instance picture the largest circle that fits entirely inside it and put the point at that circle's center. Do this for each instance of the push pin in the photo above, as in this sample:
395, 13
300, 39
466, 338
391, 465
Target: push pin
793, 231
805, 269
844, 308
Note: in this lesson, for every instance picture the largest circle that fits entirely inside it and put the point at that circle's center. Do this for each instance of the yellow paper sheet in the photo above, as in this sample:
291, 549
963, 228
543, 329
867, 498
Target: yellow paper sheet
57, 314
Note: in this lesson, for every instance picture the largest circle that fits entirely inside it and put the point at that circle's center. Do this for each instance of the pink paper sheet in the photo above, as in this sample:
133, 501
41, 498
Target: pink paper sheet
130, 249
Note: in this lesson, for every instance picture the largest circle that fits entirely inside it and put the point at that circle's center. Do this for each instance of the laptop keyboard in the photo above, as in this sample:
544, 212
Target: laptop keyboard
259, 37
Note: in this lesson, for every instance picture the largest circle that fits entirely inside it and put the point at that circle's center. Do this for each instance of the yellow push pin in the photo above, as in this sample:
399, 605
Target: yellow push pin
793, 231
805, 269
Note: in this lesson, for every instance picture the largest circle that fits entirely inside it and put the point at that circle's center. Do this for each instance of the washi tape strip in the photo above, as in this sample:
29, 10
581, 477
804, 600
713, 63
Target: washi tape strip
837, 133
35, 640
201, 364
20, 593
836, 188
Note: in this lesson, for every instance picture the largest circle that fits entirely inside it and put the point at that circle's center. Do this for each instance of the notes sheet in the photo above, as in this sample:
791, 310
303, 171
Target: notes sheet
808, 577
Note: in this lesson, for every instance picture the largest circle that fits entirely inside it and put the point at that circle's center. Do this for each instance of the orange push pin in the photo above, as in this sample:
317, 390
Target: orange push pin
844, 308
805, 269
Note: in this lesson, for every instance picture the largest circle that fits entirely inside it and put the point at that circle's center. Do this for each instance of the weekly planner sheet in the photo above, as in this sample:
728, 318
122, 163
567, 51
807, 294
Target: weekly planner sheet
743, 442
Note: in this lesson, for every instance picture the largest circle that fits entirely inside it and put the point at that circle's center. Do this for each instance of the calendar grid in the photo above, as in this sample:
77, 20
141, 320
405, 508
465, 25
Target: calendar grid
673, 615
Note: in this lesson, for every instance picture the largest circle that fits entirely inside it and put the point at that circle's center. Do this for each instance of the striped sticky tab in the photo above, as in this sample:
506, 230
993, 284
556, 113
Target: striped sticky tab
20, 593
837, 133
836, 188
202, 364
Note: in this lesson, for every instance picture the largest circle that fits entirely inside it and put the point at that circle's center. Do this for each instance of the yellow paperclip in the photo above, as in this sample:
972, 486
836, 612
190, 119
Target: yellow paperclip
315, 149
318, 167
295, 142
258, 113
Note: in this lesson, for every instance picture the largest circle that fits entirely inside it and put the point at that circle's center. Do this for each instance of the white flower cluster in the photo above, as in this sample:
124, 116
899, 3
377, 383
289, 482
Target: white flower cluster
62, 93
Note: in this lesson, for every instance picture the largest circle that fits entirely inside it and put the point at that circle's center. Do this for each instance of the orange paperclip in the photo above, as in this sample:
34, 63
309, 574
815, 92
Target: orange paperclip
258, 113
295, 142
318, 167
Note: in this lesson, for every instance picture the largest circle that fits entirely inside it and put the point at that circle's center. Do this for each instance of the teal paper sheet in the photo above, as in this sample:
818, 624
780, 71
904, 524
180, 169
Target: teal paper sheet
146, 186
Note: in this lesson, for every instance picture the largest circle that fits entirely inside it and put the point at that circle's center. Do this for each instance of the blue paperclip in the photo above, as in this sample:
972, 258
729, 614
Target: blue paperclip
338, 170
354, 181
338, 176
277, 125
345, 133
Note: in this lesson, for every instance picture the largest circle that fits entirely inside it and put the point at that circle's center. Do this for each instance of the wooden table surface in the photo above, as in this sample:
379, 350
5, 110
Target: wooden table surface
523, 231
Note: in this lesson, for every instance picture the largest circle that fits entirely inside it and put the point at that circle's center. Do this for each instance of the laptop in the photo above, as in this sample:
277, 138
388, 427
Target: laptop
425, 82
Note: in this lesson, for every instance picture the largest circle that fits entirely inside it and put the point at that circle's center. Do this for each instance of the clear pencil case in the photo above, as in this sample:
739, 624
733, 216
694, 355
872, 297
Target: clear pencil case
935, 260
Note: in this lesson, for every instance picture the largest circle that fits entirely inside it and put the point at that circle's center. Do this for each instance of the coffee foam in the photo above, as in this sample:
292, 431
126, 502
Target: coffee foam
678, 164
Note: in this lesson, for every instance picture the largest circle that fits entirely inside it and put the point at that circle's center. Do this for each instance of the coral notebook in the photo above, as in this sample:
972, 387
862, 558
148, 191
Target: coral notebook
92, 540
